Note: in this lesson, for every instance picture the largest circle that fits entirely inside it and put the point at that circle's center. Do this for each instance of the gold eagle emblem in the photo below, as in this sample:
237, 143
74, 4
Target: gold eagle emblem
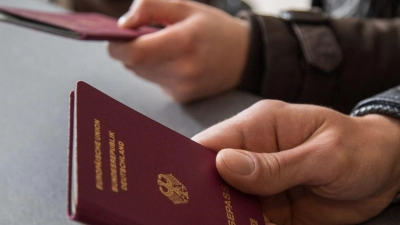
253, 222
173, 189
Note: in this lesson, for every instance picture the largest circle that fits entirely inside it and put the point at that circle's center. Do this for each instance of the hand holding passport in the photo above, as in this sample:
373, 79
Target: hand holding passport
83, 26
126, 169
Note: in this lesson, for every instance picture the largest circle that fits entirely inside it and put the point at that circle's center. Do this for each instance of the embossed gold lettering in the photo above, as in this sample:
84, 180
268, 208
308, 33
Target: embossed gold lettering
226, 195
122, 166
113, 162
97, 155
228, 205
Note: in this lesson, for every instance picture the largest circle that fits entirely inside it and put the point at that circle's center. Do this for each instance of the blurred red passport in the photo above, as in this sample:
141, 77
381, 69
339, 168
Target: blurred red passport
83, 26
127, 169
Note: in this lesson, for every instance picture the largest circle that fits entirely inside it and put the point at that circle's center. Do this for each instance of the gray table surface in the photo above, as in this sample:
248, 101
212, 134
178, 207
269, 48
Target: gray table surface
37, 72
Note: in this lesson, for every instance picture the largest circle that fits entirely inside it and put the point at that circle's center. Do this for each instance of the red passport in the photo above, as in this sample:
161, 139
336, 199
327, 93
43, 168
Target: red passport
84, 26
125, 168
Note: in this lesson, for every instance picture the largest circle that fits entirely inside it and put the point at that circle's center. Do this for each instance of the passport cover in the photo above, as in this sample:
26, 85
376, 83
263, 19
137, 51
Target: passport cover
125, 168
83, 26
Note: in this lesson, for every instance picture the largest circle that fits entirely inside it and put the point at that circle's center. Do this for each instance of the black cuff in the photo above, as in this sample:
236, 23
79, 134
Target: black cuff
386, 103
254, 68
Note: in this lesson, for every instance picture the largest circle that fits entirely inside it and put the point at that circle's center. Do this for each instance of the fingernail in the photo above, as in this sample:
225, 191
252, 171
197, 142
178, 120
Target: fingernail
122, 19
129, 16
238, 162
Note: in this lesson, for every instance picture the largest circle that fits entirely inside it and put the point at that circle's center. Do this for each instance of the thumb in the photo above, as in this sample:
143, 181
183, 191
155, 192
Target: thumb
265, 173
145, 12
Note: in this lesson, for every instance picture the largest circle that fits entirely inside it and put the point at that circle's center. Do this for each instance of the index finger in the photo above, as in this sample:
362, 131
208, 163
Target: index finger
267, 126
145, 12
252, 129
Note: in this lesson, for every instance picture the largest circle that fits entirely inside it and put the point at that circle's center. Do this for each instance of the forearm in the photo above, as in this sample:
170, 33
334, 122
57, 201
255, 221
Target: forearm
385, 106
387, 131
113, 8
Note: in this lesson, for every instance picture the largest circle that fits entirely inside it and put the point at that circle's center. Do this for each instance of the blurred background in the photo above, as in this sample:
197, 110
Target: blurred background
274, 6
117, 7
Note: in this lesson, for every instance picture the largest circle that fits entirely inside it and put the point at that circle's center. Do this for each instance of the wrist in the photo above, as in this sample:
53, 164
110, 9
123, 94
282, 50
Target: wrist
390, 128
385, 107
254, 67
243, 45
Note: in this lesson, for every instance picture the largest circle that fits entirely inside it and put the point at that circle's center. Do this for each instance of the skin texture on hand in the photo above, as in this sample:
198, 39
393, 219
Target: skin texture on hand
201, 52
309, 164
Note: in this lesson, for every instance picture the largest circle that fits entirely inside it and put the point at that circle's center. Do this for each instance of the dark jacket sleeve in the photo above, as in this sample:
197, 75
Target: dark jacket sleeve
386, 103
278, 69
114, 8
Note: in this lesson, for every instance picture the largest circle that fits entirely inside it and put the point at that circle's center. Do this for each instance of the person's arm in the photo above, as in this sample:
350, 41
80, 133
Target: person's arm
386, 103
334, 63
117, 8
114, 8
203, 51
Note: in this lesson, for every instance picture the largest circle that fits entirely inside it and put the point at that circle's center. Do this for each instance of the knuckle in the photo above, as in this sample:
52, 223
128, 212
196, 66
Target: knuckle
241, 122
181, 6
185, 89
129, 67
180, 99
112, 49
269, 103
188, 43
130, 54
269, 173
242, 129
182, 92
140, 5
190, 74
332, 152
136, 59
